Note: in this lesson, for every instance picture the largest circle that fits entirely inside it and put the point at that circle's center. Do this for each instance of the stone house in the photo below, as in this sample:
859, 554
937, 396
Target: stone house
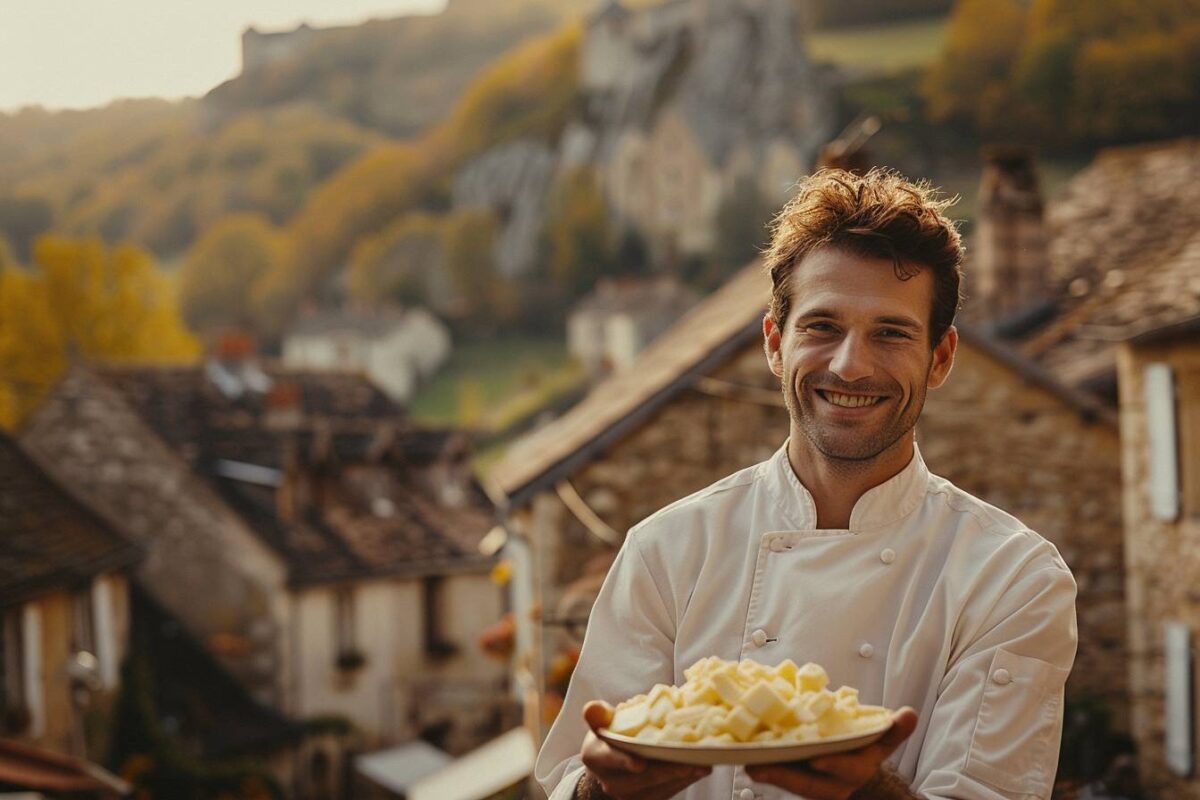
333, 542
700, 403
1160, 427
607, 329
64, 606
397, 350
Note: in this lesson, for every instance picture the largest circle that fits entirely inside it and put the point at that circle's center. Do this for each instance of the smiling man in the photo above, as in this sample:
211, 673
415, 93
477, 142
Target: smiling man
842, 549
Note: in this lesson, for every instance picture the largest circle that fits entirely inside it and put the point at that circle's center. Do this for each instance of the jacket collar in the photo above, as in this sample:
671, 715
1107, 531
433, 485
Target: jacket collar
895, 498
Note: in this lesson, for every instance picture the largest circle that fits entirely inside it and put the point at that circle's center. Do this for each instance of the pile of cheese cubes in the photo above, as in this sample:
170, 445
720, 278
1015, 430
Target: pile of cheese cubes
725, 702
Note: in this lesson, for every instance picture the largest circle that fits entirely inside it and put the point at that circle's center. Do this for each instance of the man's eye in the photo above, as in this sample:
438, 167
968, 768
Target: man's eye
894, 333
819, 327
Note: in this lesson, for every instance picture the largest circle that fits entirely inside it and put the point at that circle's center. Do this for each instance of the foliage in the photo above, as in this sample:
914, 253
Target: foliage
401, 263
839, 13
1067, 74
217, 280
164, 175
486, 300
579, 233
526, 93
886, 47
81, 300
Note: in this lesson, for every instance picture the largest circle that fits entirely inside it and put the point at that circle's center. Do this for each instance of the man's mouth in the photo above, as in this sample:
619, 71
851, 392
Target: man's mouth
849, 400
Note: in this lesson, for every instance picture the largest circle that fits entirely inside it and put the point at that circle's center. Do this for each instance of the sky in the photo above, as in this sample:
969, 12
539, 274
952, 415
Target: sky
86, 53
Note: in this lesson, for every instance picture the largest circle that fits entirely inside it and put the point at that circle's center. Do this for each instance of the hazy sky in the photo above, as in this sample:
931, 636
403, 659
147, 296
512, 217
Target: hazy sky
82, 53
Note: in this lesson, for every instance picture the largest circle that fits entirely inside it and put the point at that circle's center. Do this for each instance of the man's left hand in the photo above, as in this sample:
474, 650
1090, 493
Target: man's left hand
839, 776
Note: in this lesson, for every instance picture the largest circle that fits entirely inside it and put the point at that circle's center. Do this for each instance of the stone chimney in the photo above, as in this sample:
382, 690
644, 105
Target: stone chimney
1008, 265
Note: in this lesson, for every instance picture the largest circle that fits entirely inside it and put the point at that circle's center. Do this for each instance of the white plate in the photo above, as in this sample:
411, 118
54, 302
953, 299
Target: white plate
744, 753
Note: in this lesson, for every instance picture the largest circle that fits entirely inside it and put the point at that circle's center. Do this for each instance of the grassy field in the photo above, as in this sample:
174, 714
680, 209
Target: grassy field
483, 379
884, 48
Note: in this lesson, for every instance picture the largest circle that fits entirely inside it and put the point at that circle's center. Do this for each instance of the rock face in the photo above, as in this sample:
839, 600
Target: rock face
512, 180
678, 103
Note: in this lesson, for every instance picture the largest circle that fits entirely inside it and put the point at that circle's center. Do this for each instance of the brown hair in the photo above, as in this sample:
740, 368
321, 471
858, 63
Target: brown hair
880, 215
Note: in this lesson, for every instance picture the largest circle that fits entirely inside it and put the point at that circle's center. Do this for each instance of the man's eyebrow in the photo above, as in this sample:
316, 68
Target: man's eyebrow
901, 322
827, 313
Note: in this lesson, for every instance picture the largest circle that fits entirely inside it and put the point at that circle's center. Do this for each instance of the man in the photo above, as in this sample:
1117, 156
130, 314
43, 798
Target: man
842, 549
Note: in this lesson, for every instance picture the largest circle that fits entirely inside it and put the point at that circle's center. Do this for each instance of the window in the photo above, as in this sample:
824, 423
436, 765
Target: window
436, 645
12, 672
345, 631
83, 622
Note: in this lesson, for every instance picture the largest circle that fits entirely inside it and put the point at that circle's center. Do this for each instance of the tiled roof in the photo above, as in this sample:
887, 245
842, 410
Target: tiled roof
1124, 256
391, 521
47, 539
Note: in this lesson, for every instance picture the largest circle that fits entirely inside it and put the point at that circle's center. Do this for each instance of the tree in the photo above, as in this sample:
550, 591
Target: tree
81, 301
223, 267
485, 298
400, 264
578, 232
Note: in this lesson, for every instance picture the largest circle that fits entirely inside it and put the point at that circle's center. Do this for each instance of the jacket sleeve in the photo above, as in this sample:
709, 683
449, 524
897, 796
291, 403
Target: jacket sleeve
995, 728
628, 647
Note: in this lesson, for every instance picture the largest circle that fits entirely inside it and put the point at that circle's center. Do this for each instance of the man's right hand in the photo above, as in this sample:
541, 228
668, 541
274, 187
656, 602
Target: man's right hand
620, 775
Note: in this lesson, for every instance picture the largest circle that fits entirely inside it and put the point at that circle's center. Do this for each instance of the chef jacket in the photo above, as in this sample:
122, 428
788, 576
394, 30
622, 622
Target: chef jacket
931, 599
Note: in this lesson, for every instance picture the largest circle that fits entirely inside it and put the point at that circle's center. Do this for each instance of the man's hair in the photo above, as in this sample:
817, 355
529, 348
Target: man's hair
877, 215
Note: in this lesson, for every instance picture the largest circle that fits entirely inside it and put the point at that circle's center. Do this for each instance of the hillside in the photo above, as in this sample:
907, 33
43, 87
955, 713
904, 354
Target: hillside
396, 75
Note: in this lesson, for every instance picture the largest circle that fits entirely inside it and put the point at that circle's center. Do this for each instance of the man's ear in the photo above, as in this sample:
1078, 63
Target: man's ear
772, 344
943, 358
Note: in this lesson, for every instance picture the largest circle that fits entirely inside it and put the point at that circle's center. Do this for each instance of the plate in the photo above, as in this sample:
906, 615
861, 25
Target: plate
744, 753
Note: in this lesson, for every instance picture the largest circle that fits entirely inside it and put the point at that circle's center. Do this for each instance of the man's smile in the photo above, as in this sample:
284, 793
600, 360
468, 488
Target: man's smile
843, 400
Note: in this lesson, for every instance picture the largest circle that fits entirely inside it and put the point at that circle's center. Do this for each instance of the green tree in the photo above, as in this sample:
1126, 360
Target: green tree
399, 264
579, 232
222, 269
484, 299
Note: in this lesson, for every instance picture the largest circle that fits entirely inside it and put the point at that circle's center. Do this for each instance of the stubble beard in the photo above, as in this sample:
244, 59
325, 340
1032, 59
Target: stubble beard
862, 450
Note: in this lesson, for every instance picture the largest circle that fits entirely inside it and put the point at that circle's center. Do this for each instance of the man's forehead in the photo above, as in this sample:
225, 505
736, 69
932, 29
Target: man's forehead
842, 283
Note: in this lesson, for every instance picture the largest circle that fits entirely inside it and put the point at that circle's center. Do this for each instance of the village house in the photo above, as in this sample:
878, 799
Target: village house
64, 610
700, 403
333, 541
397, 350
607, 329
1116, 315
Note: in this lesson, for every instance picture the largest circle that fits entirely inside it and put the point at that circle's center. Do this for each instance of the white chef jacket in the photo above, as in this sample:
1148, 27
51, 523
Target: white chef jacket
932, 599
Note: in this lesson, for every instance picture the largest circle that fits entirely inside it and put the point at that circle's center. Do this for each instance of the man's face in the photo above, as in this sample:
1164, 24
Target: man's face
854, 355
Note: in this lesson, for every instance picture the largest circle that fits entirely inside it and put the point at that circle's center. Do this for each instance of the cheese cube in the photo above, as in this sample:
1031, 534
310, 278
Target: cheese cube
687, 715
785, 689
787, 670
741, 723
659, 710
713, 721
764, 702
811, 678
700, 692
649, 734
701, 668
661, 690
629, 720
726, 687
718, 740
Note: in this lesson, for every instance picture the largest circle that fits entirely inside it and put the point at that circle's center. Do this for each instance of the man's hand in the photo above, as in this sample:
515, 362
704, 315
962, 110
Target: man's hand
839, 776
621, 775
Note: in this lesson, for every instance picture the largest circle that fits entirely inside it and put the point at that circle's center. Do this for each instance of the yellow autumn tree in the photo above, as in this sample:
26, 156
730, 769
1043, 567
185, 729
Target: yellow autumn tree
80, 301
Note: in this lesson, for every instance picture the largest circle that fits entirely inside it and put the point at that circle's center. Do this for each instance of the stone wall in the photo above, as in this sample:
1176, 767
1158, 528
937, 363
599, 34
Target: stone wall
1163, 560
1023, 449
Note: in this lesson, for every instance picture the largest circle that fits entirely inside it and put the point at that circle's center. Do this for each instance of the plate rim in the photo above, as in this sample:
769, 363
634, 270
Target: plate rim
690, 747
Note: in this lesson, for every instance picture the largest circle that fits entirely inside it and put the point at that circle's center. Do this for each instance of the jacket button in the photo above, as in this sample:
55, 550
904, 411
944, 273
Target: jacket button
746, 794
1002, 677
866, 650
887, 555
759, 637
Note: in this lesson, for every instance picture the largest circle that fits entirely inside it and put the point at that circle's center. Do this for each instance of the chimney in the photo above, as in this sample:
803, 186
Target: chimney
1008, 266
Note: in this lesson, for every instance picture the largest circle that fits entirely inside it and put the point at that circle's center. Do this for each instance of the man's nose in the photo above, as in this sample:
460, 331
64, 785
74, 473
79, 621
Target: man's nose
852, 360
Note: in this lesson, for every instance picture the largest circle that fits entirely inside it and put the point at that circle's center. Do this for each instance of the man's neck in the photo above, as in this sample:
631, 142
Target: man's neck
837, 485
